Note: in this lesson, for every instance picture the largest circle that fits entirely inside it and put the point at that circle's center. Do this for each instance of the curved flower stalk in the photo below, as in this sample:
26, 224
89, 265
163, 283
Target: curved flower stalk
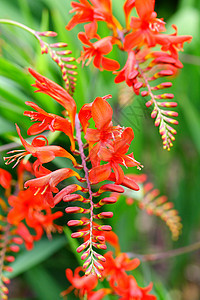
138, 38
108, 146
57, 52
115, 273
150, 200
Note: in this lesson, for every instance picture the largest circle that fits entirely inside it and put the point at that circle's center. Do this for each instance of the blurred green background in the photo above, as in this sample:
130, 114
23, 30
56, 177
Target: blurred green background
40, 274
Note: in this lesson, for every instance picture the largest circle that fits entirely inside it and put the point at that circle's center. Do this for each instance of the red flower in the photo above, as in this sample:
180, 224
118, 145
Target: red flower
172, 42
38, 149
116, 268
101, 112
128, 288
85, 113
98, 50
45, 185
55, 91
129, 73
48, 121
144, 27
37, 215
84, 13
114, 154
100, 10
84, 285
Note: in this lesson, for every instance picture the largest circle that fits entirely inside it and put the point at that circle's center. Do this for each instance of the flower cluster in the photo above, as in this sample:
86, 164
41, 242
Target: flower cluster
138, 39
20, 217
107, 145
120, 283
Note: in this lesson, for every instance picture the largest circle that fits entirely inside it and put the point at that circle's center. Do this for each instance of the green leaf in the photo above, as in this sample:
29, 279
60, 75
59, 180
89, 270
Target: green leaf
43, 284
41, 251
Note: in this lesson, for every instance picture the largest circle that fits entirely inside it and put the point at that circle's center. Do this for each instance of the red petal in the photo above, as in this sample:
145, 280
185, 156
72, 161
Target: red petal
55, 91
144, 8
100, 173
110, 64
119, 174
128, 6
101, 112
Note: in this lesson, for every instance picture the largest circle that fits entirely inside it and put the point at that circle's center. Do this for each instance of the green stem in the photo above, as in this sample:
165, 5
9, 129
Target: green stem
167, 254
17, 24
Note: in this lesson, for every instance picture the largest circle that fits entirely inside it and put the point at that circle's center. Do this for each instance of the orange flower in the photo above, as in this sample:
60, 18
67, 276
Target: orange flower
84, 285
115, 154
84, 13
128, 288
38, 149
172, 42
55, 91
48, 121
116, 268
144, 27
98, 50
85, 113
37, 215
101, 112
45, 185
129, 73
100, 10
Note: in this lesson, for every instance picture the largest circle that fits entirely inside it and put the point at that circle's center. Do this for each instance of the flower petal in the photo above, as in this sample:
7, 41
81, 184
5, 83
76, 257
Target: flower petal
100, 173
101, 112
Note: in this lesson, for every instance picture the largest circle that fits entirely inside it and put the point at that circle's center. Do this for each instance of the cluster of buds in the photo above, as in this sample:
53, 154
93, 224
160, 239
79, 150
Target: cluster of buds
138, 38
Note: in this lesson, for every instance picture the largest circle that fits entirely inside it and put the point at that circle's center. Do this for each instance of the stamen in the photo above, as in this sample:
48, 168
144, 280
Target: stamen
37, 191
46, 187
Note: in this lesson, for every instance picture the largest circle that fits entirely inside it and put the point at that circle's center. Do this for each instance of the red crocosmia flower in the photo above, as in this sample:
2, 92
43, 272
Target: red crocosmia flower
98, 50
114, 154
172, 42
35, 212
83, 285
45, 185
100, 10
101, 112
128, 6
85, 113
38, 149
129, 73
5, 179
48, 121
116, 268
22, 206
55, 91
84, 13
144, 27
128, 288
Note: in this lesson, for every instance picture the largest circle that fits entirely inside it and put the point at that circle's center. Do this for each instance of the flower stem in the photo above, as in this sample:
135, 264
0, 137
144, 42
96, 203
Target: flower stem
167, 254
17, 24
83, 158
